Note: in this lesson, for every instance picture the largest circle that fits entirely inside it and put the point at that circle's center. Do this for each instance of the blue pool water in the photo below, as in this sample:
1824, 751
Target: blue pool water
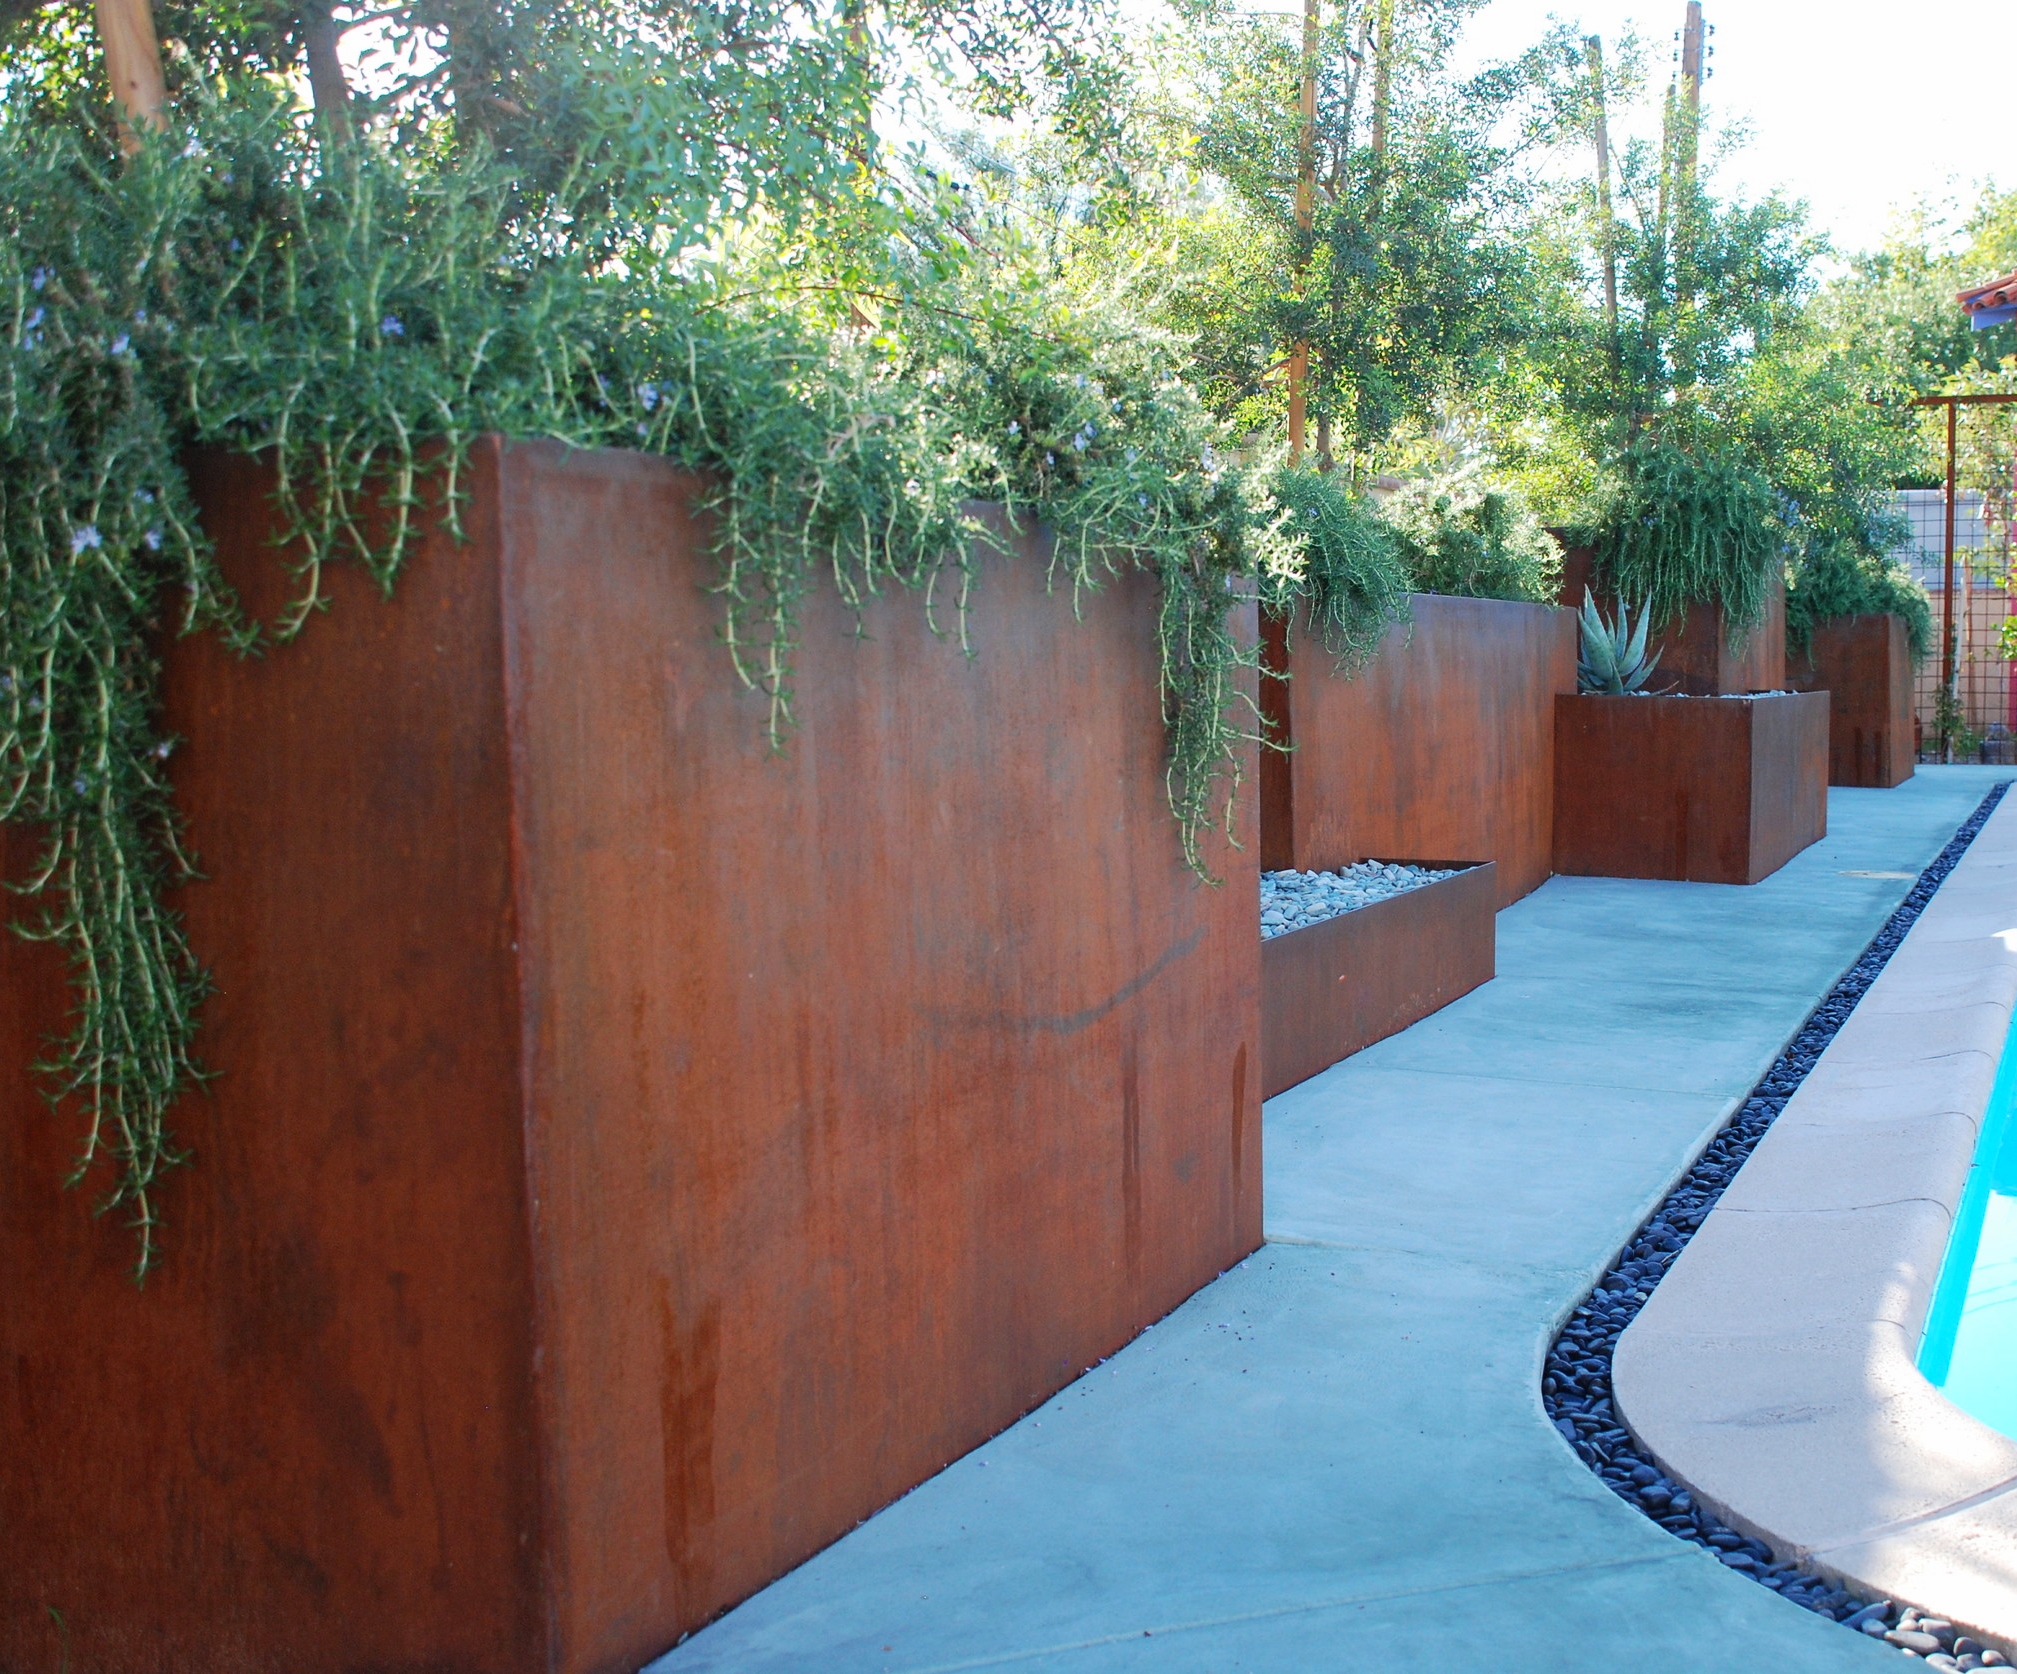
1970, 1346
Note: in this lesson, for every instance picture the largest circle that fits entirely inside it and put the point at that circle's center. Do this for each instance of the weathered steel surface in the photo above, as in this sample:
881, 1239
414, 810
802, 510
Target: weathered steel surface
1695, 656
637, 1156
1442, 744
1714, 790
1864, 664
1332, 989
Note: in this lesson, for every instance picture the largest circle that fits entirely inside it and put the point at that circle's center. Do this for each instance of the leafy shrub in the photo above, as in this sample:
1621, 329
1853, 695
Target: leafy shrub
1457, 534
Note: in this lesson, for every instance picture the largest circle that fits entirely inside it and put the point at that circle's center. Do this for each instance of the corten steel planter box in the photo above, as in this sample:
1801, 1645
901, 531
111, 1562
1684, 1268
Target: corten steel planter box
1864, 664
1333, 988
1696, 657
636, 1156
1443, 743
1712, 790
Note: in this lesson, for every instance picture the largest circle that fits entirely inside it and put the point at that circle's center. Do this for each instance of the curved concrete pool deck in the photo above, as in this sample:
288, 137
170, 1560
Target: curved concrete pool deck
1775, 1369
1335, 1457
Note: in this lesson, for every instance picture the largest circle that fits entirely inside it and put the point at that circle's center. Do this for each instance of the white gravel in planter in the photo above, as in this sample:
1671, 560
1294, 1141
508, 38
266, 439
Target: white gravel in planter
1291, 900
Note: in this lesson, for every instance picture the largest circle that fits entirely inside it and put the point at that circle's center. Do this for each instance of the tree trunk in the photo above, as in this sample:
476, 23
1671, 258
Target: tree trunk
133, 66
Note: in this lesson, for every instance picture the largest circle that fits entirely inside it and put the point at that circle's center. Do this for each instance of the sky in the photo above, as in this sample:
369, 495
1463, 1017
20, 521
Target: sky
1857, 106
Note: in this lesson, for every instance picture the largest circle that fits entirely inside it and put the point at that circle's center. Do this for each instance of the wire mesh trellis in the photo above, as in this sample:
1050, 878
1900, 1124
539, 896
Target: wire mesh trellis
1984, 690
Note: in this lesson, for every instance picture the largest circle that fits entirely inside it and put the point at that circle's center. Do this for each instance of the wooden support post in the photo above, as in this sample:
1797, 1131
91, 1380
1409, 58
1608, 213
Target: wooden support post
133, 66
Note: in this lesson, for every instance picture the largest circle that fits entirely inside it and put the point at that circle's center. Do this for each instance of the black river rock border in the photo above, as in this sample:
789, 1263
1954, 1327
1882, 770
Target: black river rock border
1576, 1378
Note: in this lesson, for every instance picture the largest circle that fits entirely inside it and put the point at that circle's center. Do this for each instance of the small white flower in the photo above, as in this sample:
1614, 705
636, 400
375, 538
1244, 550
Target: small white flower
121, 344
193, 149
391, 326
153, 540
162, 750
85, 539
1015, 427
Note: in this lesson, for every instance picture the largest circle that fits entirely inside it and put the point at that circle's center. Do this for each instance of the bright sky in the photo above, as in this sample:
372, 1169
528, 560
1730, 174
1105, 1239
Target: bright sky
1857, 106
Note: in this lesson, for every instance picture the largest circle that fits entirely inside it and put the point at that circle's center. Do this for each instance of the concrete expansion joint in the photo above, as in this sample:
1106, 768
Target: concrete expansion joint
1946, 1209
1900, 1525
1306, 1607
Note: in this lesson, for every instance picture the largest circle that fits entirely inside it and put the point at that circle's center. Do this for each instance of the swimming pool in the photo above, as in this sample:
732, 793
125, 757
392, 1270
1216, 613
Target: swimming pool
1970, 1346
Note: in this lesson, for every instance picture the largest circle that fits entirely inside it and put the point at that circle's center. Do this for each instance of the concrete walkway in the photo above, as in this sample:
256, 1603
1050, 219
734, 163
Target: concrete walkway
1335, 1458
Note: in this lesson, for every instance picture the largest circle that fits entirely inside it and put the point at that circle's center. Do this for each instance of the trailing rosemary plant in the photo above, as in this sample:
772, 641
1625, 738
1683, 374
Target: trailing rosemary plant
1691, 519
356, 320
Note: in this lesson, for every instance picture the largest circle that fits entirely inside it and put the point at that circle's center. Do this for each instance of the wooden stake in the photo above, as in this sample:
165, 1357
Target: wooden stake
133, 66
1306, 218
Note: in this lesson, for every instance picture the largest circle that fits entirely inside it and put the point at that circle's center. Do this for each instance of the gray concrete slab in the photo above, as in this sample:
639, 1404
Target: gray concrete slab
1335, 1457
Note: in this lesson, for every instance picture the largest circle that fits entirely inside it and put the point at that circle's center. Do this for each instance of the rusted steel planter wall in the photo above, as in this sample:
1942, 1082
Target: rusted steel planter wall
636, 1157
1696, 657
1864, 664
1443, 744
1714, 790
1332, 989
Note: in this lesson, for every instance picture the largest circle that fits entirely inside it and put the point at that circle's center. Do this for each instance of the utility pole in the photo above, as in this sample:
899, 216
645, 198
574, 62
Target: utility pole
1306, 219
133, 66
1691, 93
1607, 231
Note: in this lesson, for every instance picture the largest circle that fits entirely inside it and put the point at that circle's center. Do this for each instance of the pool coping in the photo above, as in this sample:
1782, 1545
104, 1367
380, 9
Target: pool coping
1772, 1371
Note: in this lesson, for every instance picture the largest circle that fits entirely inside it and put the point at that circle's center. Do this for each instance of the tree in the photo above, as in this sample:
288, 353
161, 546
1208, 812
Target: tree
1367, 243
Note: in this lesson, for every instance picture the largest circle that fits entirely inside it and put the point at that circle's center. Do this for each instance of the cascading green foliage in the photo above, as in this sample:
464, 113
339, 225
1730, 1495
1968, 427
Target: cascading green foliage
1338, 559
1692, 520
357, 321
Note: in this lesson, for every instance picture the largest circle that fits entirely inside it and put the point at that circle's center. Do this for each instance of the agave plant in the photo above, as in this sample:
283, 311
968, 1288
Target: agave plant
1613, 657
